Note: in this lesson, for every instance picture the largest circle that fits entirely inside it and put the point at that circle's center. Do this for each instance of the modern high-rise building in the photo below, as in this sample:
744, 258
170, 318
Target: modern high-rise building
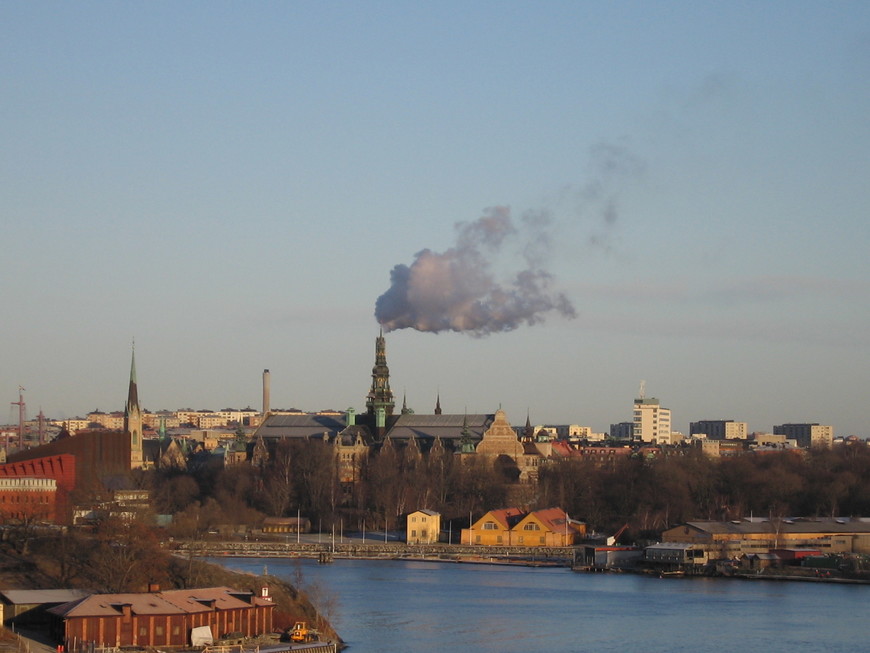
719, 429
807, 435
652, 422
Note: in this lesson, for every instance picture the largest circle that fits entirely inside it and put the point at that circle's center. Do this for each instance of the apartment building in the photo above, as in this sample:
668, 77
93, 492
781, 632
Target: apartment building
652, 422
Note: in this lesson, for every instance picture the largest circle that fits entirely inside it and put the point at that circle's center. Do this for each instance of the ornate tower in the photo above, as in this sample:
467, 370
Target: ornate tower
380, 396
133, 419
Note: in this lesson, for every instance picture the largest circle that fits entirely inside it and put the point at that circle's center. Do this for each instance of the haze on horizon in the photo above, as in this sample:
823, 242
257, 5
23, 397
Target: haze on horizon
682, 190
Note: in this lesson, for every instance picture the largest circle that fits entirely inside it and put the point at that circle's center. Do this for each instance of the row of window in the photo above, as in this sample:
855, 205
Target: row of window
24, 498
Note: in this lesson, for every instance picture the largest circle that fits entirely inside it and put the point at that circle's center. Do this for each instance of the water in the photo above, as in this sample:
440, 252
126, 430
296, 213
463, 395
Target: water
422, 607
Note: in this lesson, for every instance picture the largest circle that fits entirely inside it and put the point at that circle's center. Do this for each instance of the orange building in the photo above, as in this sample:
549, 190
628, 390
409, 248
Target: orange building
514, 527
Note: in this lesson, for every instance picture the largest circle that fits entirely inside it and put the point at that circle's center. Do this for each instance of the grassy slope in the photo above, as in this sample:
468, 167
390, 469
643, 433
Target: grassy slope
37, 570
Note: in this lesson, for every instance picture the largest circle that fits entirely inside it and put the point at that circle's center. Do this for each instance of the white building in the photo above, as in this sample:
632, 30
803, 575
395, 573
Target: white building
652, 423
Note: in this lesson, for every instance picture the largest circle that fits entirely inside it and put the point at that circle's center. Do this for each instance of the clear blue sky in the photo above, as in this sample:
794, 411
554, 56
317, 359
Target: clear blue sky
231, 184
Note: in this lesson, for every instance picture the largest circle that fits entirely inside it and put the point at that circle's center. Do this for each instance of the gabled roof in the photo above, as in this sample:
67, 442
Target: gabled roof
426, 511
507, 518
554, 519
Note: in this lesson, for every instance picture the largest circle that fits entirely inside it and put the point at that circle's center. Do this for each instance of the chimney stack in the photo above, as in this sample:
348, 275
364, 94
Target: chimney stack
267, 388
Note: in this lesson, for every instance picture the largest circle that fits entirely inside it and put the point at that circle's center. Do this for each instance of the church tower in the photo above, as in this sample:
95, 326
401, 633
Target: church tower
380, 397
133, 419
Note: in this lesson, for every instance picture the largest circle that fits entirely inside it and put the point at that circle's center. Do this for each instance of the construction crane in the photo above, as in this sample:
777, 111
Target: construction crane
22, 416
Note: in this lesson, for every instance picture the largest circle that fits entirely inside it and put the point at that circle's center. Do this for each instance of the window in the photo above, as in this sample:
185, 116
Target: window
490, 526
158, 631
531, 526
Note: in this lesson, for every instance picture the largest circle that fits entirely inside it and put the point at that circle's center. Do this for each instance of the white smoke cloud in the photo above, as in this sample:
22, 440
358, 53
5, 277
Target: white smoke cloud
457, 290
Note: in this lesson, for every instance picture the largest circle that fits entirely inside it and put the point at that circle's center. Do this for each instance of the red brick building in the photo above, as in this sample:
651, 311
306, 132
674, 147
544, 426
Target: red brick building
85, 462
27, 498
160, 619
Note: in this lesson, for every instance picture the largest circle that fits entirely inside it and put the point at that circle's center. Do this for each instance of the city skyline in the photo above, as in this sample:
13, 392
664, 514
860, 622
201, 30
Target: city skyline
401, 399
545, 203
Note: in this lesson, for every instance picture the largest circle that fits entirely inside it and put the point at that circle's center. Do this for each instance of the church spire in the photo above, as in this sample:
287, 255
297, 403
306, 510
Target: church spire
380, 396
438, 403
133, 417
133, 390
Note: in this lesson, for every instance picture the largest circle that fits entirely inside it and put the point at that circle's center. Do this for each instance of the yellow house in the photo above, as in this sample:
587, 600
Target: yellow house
548, 527
493, 529
513, 527
423, 527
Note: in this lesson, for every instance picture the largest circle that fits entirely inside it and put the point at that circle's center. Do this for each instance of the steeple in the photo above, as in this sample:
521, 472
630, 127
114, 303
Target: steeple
380, 395
133, 417
438, 404
529, 432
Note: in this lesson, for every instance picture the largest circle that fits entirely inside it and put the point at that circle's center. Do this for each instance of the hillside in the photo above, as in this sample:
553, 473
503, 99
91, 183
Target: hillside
39, 569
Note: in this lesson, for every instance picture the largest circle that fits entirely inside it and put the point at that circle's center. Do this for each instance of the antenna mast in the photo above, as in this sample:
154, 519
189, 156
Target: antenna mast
22, 415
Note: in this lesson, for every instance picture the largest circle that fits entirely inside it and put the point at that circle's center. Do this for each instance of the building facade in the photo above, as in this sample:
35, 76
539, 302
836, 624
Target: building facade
719, 429
807, 435
652, 422
423, 527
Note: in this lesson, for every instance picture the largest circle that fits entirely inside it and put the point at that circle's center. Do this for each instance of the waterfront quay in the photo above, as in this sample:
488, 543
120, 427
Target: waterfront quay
370, 549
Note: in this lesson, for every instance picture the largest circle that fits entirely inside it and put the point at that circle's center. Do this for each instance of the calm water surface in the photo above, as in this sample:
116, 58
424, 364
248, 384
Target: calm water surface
421, 607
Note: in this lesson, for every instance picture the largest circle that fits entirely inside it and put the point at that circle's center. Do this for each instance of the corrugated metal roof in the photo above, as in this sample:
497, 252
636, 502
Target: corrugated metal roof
38, 597
745, 527
300, 426
446, 427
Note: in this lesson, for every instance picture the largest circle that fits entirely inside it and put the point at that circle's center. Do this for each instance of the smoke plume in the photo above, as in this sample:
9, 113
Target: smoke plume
459, 290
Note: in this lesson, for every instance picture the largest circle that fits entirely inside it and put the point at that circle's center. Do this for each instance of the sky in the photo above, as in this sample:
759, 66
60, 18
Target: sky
555, 200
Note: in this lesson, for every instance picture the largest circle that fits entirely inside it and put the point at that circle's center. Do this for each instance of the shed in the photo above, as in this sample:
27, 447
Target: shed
22, 607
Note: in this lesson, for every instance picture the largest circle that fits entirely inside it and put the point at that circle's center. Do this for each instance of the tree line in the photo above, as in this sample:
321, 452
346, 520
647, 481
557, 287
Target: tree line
650, 494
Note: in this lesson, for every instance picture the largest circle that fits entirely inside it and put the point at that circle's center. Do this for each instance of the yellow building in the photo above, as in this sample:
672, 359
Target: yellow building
548, 527
423, 527
493, 529
514, 527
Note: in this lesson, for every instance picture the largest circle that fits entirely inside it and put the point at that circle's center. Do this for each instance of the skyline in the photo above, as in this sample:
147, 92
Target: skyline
233, 187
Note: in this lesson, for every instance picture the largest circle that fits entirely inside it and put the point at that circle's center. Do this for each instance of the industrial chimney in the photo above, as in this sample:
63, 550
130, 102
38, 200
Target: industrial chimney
267, 388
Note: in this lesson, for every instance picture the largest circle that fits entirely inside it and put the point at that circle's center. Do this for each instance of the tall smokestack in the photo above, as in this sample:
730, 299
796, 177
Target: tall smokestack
267, 389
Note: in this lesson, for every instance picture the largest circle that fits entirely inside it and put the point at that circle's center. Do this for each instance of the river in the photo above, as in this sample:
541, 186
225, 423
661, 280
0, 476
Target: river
423, 607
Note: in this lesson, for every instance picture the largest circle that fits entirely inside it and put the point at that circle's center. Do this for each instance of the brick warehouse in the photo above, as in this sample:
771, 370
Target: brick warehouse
160, 619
